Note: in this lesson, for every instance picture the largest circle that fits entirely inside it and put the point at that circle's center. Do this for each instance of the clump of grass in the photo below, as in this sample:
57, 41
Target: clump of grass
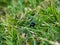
15, 25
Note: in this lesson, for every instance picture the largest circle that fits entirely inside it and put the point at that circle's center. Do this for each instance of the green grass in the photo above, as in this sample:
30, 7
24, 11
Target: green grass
19, 14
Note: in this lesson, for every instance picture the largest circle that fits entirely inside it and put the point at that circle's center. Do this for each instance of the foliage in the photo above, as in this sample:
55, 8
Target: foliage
18, 15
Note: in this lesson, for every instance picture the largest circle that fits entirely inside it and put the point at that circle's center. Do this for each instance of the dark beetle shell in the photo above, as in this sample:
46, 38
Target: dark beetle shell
32, 24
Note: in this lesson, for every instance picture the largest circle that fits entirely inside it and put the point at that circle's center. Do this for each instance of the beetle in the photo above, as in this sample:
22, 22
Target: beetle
32, 24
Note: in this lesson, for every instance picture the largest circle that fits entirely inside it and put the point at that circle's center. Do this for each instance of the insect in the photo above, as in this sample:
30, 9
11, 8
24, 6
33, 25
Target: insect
32, 24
